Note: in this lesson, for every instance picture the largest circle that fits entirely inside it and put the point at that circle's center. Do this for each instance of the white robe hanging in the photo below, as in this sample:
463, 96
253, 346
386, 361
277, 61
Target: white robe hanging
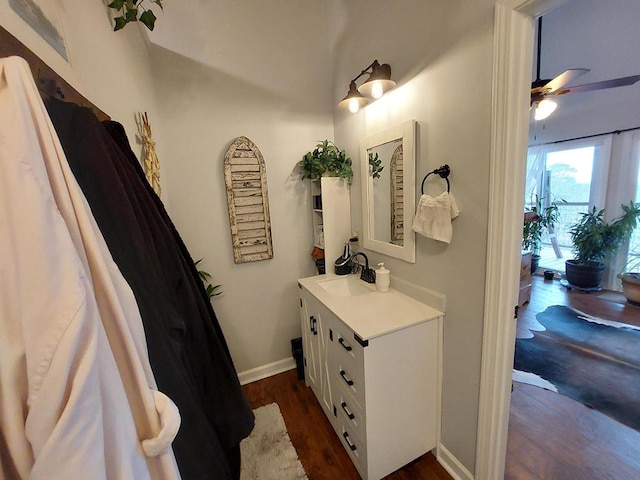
77, 395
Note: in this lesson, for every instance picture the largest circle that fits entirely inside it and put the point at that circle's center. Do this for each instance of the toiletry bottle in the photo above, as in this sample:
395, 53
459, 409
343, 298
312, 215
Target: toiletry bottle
382, 278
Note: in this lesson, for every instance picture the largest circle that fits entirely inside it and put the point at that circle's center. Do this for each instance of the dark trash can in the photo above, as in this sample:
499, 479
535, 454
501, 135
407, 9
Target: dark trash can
296, 350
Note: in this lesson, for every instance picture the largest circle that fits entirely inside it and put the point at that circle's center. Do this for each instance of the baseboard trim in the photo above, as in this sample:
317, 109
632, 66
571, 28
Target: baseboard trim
268, 370
452, 465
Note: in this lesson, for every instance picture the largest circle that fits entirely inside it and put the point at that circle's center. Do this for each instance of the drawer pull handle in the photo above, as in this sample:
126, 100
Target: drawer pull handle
346, 346
345, 378
346, 438
346, 410
312, 325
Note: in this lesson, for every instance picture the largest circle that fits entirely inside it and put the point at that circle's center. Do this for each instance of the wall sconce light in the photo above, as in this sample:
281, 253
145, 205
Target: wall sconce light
378, 83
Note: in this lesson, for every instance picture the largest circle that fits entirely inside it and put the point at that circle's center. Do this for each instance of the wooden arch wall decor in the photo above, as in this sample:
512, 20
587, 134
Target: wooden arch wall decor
397, 196
245, 177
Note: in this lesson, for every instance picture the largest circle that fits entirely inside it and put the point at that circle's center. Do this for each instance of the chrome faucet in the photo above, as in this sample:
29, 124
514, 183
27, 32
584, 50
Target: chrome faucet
367, 274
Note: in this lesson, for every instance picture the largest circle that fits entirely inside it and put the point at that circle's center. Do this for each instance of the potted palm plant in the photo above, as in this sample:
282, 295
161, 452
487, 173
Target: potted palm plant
594, 241
630, 278
536, 220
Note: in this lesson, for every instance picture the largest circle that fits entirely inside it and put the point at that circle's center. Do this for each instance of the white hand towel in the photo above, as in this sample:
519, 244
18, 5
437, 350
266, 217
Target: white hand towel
433, 216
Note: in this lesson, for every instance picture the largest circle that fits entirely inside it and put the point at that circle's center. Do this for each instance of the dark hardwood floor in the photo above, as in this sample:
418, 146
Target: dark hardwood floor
550, 435
318, 446
554, 437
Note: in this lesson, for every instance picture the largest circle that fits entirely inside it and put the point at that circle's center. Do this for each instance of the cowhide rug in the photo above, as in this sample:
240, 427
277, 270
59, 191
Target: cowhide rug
593, 361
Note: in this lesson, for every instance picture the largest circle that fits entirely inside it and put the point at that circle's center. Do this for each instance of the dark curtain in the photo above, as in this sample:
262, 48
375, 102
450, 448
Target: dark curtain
187, 350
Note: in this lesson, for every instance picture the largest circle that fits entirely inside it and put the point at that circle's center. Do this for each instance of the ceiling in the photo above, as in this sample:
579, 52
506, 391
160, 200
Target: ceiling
602, 36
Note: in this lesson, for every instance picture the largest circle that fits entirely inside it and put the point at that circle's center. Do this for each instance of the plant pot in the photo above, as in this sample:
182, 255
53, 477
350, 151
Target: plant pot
631, 287
584, 275
535, 261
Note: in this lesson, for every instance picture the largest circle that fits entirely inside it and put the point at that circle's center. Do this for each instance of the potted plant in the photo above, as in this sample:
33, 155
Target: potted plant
630, 277
595, 240
536, 220
375, 165
326, 160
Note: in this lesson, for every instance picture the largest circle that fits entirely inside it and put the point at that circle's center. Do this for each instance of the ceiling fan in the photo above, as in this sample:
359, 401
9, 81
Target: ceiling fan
543, 88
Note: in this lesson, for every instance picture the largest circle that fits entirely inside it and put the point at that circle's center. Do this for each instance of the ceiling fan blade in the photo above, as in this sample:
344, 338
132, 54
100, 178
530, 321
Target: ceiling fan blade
564, 78
616, 82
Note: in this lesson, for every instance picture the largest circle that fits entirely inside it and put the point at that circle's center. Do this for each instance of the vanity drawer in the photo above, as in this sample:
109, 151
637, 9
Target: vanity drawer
349, 412
349, 377
346, 342
354, 446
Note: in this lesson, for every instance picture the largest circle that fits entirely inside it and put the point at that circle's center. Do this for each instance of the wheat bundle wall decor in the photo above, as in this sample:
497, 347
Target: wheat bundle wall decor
151, 164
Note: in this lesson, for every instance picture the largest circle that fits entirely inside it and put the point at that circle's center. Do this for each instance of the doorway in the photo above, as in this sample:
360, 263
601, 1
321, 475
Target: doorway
513, 48
512, 68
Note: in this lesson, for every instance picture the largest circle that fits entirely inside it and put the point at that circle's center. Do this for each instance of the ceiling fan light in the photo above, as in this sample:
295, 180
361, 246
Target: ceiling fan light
354, 100
544, 108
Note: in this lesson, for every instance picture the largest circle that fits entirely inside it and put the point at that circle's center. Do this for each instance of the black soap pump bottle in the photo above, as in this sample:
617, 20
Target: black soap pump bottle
343, 262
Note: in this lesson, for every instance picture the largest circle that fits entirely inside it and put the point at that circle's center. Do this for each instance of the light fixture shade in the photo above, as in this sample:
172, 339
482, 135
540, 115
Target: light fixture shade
354, 99
379, 81
544, 108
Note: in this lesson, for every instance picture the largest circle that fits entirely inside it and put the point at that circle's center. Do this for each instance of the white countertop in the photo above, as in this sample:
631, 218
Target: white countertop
374, 313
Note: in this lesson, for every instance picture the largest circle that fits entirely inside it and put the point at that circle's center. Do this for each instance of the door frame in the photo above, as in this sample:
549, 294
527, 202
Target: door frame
512, 70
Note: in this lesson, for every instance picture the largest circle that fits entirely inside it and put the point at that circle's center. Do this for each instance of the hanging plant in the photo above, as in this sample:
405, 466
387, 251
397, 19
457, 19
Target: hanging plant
375, 165
133, 11
326, 160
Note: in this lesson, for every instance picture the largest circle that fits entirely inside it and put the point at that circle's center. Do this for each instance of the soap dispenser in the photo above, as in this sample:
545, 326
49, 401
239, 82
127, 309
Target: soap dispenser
342, 264
382, 278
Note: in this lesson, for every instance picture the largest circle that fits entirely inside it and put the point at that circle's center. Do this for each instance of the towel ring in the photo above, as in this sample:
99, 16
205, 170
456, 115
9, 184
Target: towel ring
444, 172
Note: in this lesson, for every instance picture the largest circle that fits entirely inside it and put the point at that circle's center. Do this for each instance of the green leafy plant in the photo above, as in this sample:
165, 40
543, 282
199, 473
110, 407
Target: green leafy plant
594, 239
205, 277
326, 160
633, 264
375, 165
134, 11
542, 218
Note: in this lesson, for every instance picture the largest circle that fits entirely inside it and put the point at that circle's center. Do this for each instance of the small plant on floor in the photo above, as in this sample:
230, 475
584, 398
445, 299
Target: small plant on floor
630, 278
211, 290
595, 240
538, 219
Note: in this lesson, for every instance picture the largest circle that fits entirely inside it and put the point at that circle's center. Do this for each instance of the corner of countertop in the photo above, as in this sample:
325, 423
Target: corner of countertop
429, 297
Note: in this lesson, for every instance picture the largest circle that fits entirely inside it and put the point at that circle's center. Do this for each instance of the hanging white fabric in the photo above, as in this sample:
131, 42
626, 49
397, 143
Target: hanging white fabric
78, 397
434, 215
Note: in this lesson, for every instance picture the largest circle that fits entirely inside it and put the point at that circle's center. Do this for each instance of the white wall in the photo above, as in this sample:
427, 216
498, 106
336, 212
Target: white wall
440, 54
112, 70
260, 70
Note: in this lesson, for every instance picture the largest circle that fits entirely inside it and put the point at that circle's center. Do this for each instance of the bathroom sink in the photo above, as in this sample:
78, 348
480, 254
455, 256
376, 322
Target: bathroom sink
348, 286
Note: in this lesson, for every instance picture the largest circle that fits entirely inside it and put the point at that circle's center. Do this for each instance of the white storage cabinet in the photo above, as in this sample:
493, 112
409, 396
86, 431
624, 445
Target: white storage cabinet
380, 388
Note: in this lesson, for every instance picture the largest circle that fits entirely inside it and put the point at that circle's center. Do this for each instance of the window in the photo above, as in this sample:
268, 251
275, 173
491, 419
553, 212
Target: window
633, 257
574, 173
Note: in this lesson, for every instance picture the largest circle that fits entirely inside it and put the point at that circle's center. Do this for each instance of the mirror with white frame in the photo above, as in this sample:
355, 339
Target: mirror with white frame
387, 161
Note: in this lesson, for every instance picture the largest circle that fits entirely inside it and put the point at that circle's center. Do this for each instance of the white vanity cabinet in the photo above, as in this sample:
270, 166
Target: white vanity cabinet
374, 365
316, 329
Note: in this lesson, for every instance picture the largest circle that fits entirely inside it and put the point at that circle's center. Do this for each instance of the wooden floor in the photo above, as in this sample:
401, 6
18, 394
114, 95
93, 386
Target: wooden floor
318, 446
550, 435
554, 437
